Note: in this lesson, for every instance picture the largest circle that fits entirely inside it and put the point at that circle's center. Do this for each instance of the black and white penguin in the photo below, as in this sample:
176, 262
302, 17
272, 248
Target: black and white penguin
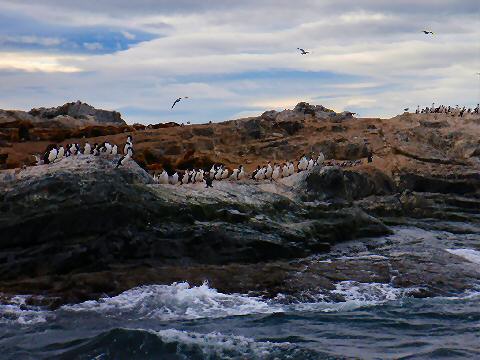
254, 174
128, 144
123, 160
52, 155
87, 149
96, 151
61, 153
241, 173
208, 180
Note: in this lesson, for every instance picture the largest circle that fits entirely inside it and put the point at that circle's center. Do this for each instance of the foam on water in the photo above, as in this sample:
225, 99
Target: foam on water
221, 346
182, 301
176, 301
468, 254
16, 311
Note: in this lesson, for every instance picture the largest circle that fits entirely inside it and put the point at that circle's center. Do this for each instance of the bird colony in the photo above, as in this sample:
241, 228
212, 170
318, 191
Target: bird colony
220, 172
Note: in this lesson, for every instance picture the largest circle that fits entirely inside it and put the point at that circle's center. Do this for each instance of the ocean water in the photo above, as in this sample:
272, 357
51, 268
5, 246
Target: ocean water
179, 321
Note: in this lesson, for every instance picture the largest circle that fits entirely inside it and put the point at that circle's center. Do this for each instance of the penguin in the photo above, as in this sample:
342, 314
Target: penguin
128, 144
320, 159
213, 170
302, 164
185, 178
234, 175
163, 177
87, 149
52, 155
276, 174
38, 160
224, 174
199, 177
174, 179
61, 152
285, 172
310, 164
114, 150
218, 173
241, 173
67, 151
123, 160
155, 178
291, 168
96, 151
254, 174
208, 181
260, 175
73, 149
269, 171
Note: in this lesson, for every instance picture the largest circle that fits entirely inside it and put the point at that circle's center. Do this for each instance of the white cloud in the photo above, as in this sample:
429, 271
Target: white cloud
384, 63
34, 62
31, 40
128, 35
92, 46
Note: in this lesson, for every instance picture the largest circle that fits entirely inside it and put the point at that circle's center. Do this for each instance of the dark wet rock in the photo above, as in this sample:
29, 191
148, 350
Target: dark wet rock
85, 216
454, 184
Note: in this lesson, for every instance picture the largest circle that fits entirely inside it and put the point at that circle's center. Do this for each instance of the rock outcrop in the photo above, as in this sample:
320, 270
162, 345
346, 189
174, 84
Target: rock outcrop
84, 216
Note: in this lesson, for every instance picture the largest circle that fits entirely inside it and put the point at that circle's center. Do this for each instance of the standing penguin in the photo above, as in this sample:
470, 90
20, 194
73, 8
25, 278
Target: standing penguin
234, 175
285, 171
123, 160
51, 155
128, 144
114, 150
87, 149
269, 171
208, 180
174, 179
241, 173
276, 174
61, 152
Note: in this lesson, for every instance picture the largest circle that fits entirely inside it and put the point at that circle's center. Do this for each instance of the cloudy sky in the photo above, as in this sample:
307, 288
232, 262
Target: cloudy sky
238, 58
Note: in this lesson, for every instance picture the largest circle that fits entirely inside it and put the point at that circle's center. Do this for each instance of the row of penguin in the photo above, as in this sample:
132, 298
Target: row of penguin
55, 153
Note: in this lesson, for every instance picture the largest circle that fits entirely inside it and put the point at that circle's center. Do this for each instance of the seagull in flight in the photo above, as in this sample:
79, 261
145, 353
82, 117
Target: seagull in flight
426, 32
178, 100
303, 52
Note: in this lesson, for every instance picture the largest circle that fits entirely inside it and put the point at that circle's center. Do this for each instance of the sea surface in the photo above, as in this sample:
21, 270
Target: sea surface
179, 321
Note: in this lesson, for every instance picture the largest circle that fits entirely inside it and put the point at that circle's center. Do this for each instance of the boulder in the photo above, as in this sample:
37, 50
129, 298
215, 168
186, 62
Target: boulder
79, 110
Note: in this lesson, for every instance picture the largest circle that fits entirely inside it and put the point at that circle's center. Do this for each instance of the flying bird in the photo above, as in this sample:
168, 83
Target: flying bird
303, 52
178, 100
428, 32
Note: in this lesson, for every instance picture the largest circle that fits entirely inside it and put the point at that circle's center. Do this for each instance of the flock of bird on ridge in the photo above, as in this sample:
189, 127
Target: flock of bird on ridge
56, 153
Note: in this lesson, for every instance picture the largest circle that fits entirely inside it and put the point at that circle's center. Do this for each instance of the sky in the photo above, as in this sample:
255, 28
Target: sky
238, 58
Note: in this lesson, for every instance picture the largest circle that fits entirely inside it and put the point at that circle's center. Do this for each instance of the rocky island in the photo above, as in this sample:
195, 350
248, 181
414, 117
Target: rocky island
81, 229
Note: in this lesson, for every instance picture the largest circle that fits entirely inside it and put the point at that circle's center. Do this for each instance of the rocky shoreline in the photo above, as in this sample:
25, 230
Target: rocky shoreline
80, 229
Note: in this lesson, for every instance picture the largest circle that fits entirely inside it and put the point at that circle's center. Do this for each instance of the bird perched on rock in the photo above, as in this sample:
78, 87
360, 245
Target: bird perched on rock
87, 149
51, 155
123, 160
128, 144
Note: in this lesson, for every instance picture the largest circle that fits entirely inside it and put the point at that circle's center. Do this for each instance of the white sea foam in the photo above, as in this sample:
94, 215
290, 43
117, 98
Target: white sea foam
356, 295
182, 301
468, 254
16, 311
217, 345
176, 301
